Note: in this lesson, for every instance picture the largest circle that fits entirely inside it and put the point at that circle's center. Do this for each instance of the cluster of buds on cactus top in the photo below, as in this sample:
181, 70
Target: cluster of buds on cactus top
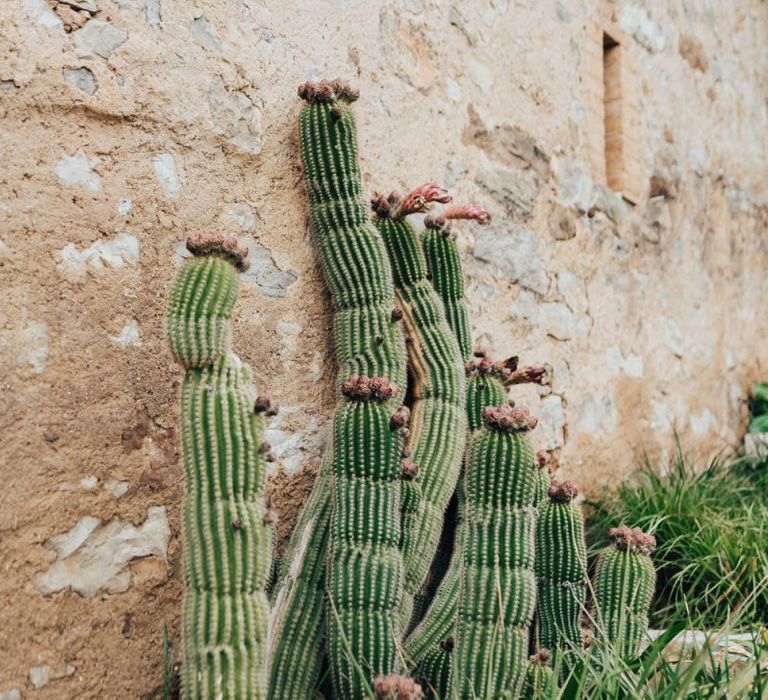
378, 593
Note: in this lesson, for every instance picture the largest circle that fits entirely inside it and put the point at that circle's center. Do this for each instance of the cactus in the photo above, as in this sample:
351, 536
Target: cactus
368, 341
444, 265
561, 568
539, 678
364, 561
227, 532
498, 585
436, 441
624, 583
435, 670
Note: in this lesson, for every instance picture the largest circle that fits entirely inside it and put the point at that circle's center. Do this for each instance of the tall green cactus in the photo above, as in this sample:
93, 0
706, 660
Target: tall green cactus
561, 568
498, 584
624, 583
368, 341
227, 532
364, 560
436, 376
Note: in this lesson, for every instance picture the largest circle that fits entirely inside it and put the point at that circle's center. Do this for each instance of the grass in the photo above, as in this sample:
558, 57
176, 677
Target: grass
712, 538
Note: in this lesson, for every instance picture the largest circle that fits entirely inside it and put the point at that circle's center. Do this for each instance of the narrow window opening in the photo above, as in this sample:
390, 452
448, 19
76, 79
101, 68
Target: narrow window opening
612, 105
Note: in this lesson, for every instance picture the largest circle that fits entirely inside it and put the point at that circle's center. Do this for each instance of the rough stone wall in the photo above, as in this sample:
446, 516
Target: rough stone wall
127, 124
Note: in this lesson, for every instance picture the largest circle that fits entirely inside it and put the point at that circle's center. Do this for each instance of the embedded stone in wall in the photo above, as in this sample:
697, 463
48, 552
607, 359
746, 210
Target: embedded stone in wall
116, 252
98, 39
203, 35
635, 20
516, 190
78, 170
235, 117
129, 335
265, 274
167, 174
573, 290
92, 557
551, 422
515, 254
81, 78
558, 321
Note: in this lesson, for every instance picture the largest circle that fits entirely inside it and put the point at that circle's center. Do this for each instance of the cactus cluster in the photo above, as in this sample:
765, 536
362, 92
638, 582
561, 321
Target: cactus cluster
359, 604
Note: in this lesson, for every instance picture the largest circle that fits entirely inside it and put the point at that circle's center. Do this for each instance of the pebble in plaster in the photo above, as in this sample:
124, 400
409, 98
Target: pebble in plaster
124, 207
152, 12
561, 377
574, 184
525, 307
453, 90
167, 175
702, 422
81, 78
98, 39
673, 337
78, 170
574, 290
631, 365
235, 117
634, 20
31, 345
12, 694
92, 557
41, 13
202, 34
116, 488
39, 676
116, 252
240, 215
514, 252
551, 422
558, 321
596, 415
661, 418
516, 190
129, 335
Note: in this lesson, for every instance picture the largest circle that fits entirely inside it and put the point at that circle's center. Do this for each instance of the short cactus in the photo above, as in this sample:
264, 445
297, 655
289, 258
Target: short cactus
546, 465
436, 440
498, 587
227, 531
624, 582
539, 677
561, 568
368, 341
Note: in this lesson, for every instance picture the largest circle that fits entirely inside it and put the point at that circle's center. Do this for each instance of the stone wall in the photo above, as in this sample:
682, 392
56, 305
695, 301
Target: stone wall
127, 124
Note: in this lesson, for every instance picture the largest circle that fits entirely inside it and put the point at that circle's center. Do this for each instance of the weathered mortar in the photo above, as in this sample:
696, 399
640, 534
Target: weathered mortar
129, 123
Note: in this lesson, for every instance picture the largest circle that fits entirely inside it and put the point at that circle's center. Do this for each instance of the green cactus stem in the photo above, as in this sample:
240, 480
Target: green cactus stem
437, 426
444, 265
364, 561
561, 568
227, 531
624, 583
368, 341
539, 677
435, 670
498, 584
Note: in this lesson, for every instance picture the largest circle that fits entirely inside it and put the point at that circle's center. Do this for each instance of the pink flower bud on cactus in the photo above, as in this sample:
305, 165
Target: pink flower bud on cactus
632, 539
202, 244
509, 418
562, 491
395, 687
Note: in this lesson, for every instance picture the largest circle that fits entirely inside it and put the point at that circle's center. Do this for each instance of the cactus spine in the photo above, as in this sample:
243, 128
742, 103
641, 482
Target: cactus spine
227, 531
498, 585
437, 426
561, 567
368, 343
624, 583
